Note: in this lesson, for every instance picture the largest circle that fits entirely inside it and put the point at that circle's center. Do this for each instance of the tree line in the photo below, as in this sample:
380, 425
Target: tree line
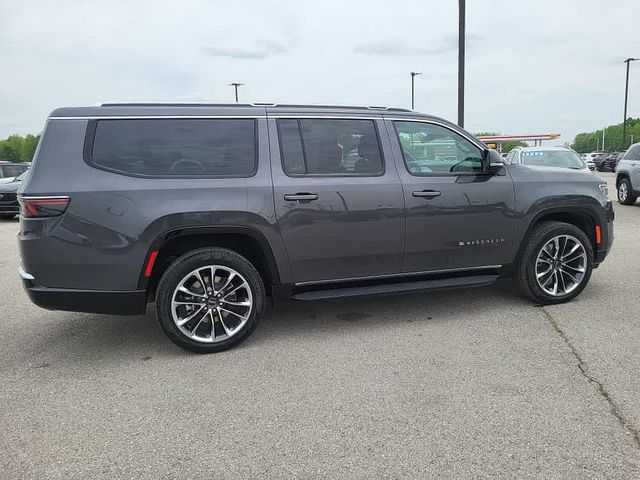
17, 148
590, 141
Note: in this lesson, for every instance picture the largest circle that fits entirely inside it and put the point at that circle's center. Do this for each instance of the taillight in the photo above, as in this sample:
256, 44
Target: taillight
38, 207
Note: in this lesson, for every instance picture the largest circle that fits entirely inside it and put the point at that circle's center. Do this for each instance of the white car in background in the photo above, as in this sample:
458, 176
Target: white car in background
589, 159
561, 157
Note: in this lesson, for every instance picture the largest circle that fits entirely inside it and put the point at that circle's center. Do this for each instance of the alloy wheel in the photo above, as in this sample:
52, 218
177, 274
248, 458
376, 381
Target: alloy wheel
623, 191
211, 304
561, 265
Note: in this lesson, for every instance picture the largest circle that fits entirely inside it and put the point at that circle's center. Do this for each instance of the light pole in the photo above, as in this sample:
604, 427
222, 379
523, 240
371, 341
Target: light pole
413, 76
235, 86
461, 20
626, 93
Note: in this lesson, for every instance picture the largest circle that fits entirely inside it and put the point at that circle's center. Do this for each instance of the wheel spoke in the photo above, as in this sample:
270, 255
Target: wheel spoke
243, 317
556, 243
575, 247
577, 269
545, 251
570, 276
555, 283
542, 274
224, 325
232, 291
195, 329
228, 282
201, 280
562, 284
180, 322
236, 304
176, 302
184, 289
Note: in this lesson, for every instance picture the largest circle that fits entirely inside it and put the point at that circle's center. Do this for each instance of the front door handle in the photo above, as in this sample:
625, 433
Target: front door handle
300, 197
426, 193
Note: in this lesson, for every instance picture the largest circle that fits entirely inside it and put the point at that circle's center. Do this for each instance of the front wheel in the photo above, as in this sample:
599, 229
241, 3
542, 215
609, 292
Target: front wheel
625, 192
556, 264
210, 300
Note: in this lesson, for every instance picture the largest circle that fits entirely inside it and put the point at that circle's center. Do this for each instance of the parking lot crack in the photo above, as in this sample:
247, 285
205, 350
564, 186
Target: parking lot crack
582, 366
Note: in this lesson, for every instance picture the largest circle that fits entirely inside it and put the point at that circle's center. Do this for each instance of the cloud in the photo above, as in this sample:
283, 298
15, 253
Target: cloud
395, 46
260, 49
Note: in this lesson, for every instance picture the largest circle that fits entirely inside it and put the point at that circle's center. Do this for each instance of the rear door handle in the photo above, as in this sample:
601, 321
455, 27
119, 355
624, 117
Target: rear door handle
426, 193
300, 197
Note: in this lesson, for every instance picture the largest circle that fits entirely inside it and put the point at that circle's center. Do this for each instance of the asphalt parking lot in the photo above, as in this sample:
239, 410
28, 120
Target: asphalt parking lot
468, 383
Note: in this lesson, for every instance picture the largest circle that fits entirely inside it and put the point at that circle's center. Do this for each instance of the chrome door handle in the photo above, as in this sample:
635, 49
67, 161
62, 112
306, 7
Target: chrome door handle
426, 193
300, 197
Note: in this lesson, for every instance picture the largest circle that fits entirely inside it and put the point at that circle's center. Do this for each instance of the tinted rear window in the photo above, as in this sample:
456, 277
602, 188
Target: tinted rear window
183, 147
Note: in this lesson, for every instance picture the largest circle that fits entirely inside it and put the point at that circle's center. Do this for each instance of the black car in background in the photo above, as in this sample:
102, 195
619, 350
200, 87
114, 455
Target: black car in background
9, 207
599, 160
612, 161
608, 161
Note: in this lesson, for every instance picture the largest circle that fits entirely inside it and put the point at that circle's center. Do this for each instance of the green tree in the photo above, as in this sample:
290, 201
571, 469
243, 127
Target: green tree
589, 141
18, 149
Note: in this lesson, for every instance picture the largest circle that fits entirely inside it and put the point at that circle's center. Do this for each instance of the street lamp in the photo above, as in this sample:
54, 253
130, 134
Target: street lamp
461, 25
413, 76
235, 86
626, 93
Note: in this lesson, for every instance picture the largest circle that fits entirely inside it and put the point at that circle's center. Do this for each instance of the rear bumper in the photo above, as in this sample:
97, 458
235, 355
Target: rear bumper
88, 301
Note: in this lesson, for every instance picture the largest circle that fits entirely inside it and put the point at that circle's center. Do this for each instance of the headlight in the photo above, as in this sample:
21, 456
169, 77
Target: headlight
604, 189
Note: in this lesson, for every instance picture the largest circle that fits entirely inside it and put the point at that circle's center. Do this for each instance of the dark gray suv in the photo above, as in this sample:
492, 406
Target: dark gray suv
208, 210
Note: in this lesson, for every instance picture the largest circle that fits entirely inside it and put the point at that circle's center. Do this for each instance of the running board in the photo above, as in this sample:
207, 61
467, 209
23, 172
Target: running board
403, 287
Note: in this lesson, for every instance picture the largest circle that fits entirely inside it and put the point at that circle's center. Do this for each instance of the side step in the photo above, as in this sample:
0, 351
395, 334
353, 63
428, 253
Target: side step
404, 287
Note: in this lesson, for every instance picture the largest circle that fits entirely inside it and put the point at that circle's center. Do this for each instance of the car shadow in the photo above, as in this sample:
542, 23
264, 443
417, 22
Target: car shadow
107, 339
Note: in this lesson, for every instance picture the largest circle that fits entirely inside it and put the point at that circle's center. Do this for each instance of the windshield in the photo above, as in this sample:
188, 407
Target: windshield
553, 158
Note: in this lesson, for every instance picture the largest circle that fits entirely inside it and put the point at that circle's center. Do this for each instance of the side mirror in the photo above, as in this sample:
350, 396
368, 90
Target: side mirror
491, 161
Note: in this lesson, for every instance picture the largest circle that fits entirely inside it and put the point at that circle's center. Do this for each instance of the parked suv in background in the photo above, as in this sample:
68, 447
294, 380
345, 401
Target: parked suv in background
628, 176
9, 207
210, 209
10, 170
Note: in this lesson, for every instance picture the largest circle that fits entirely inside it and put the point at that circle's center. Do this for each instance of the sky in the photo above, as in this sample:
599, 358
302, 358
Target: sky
532, 66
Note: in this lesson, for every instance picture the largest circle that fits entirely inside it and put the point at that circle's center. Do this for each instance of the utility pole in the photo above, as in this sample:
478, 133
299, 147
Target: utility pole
235, 86
413, 76
461, 19
626, 93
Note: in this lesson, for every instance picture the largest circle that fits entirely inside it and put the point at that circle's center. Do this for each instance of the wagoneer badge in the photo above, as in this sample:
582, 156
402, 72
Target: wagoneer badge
486, 241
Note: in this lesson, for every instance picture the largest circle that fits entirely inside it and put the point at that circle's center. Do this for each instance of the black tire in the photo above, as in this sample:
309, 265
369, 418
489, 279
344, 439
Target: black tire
10, 216
189, 262
629, 198
526, 268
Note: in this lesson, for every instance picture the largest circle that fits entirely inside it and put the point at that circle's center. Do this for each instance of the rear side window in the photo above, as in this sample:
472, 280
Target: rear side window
170, 147
330, 147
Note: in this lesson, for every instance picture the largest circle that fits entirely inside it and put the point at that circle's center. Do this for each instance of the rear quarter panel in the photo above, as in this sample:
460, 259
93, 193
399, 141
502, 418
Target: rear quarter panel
104, 238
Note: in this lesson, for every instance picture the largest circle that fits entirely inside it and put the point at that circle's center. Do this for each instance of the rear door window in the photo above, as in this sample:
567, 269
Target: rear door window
330, 147
175, 147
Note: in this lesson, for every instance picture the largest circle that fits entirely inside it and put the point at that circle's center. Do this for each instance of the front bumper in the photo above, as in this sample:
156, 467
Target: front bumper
607, 239
88, 301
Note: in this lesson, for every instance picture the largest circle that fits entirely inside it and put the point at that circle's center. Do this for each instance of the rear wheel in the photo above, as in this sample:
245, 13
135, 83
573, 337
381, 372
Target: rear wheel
556, 264
210, 300
625, 192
